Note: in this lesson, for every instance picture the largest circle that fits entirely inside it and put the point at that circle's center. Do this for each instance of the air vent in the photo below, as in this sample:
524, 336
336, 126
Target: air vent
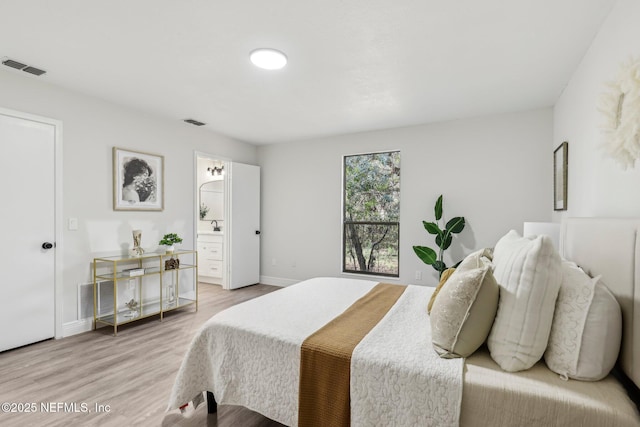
33, 70
14, 64
24, 67
194, 122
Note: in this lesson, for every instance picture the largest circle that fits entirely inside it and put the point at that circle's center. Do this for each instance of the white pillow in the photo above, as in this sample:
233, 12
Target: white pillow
528, 273
463, 313
587, 328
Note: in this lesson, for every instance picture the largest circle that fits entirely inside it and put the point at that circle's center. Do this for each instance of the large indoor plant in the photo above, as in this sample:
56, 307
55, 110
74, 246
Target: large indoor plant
444, 237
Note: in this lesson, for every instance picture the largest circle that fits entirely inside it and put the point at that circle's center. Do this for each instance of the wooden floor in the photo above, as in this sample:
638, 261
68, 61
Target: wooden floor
116, 381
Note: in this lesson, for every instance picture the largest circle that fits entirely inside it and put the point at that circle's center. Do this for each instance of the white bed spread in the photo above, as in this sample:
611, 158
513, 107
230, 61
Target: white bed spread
249, 355
397, 379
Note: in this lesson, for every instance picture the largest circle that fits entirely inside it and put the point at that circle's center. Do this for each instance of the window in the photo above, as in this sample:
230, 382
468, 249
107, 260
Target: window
371, 214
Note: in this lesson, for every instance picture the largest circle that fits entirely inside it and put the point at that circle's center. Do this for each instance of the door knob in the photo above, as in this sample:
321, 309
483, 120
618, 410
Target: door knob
47, 245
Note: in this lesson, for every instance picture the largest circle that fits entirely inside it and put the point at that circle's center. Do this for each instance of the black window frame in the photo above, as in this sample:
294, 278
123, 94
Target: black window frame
347, 223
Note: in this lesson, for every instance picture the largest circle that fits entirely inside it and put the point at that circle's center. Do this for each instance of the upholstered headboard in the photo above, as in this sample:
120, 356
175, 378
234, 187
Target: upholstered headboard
610, 247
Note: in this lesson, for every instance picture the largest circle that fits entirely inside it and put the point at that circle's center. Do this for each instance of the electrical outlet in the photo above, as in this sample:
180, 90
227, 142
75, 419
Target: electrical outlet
418, 275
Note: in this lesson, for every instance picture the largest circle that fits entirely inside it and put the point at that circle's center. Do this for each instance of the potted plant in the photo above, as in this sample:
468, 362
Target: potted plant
169, 240
444, 237
204, 210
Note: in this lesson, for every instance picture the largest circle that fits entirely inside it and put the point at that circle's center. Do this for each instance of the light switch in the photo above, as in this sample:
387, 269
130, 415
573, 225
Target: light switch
73, 224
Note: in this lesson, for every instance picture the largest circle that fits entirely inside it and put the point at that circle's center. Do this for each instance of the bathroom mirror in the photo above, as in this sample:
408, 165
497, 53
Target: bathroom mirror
212, 201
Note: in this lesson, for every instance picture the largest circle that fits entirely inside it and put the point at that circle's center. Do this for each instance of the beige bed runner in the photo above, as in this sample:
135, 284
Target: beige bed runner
325, 359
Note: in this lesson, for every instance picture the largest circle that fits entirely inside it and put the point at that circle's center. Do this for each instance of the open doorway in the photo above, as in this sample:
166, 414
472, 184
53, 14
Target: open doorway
227, 209
211, 212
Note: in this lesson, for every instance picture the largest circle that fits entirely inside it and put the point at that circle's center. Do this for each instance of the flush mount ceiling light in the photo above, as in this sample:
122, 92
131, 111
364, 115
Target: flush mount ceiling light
269, 59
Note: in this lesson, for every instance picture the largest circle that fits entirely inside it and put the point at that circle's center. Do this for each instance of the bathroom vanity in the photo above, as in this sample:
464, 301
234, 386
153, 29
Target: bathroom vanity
211, 257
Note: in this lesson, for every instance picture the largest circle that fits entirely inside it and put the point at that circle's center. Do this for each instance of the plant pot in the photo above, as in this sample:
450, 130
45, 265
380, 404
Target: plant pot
170, 249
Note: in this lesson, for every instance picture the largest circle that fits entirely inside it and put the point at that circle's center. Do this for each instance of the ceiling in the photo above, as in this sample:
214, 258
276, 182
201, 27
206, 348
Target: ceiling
354, 65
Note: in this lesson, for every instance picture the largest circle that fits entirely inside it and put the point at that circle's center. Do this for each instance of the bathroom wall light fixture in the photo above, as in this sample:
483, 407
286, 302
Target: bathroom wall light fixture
269, 59
216, 171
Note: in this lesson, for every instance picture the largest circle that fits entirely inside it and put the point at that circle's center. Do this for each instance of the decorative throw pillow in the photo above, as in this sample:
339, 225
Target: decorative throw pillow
462, 315
587, 328
443, 279
528, 273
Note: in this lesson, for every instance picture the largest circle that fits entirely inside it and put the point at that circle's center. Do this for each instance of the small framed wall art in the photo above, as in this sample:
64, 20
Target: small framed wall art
138, 181
560, 177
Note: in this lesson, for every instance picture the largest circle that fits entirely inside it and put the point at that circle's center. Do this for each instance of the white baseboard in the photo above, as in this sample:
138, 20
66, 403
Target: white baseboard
277, 281
77, 327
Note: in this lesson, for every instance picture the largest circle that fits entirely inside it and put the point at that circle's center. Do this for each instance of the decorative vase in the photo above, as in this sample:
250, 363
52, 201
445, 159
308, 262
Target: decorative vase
170, 295
137, 239
133, 304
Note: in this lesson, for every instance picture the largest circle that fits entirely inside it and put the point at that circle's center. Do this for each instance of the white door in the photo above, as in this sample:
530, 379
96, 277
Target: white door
244, 225
27, 305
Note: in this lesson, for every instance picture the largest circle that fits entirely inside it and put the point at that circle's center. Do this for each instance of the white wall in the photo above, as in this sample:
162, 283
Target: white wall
91, 127
496, 171
596, 185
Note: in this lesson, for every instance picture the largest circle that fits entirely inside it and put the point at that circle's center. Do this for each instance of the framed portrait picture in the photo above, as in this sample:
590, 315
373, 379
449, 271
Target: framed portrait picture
138, 181
560, 177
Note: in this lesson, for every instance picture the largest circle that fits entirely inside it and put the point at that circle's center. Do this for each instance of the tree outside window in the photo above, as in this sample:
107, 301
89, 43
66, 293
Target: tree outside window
371, 215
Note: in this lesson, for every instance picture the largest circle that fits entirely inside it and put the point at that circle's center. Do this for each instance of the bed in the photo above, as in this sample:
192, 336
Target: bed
250, 354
